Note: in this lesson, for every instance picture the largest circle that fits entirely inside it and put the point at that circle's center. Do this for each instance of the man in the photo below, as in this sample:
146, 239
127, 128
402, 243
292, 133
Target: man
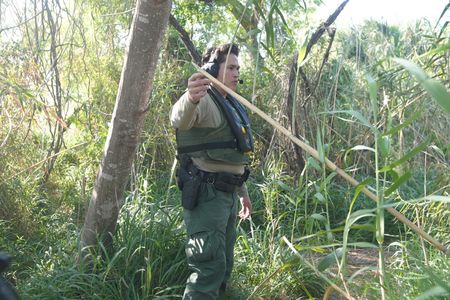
214, 139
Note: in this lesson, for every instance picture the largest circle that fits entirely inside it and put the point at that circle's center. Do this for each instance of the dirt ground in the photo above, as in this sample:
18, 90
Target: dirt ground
363, 260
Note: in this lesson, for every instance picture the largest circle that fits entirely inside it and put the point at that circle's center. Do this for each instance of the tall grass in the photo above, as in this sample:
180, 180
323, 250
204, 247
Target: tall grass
381, 136
147, 260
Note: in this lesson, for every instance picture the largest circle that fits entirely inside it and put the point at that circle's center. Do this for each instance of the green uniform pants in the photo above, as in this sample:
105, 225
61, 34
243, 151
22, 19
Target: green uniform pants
211, 229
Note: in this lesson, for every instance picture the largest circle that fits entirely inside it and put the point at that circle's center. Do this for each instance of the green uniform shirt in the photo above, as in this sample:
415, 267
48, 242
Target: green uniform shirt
184, 115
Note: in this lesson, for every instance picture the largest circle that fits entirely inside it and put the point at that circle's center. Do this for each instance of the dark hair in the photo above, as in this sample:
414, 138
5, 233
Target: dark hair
220, 53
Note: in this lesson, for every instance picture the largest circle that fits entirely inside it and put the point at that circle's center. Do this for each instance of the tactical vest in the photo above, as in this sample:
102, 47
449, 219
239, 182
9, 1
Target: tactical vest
231, 142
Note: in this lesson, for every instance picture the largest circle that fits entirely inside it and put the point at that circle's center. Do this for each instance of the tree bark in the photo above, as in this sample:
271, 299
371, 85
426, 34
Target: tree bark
147, 30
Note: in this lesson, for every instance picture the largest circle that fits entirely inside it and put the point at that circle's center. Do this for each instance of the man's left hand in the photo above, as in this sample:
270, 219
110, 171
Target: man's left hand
246, 208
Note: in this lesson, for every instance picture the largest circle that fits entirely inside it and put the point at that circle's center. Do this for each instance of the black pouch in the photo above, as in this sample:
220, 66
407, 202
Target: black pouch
189, 184
229, 183
224, 186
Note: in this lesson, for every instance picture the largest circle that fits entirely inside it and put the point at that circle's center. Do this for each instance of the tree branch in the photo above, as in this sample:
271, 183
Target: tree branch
319, 32
186, 40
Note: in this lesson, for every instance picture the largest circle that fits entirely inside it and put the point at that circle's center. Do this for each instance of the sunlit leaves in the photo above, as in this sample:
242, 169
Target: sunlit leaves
433, 87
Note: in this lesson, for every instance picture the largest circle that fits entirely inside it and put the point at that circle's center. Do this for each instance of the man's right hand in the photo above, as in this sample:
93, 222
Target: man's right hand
197, 87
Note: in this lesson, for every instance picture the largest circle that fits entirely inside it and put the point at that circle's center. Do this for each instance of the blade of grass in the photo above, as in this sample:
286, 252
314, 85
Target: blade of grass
338, 289
433, 87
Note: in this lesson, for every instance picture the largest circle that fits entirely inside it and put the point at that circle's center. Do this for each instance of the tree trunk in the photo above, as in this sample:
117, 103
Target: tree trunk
146, 33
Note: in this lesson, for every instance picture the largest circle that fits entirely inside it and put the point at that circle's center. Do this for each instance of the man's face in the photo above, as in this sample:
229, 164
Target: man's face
229, 72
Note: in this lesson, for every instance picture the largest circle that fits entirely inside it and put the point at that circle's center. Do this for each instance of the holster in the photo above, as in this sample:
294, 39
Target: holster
189, 180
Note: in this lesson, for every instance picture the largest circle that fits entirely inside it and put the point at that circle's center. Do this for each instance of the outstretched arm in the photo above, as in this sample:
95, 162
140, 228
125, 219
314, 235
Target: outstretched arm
185, 111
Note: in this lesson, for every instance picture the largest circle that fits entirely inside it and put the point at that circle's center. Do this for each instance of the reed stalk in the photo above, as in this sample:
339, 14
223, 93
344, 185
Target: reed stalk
313, 152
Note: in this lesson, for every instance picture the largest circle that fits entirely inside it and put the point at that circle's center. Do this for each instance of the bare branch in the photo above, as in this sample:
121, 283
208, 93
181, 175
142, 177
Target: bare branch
319, 32
186, 40
20, 24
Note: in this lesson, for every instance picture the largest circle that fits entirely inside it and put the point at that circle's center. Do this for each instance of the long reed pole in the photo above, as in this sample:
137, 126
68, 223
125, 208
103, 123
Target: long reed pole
313, 152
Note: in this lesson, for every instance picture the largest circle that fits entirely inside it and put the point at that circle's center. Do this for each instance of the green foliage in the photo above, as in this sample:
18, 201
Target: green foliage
433, 87
415, 279
147, 260
380, 129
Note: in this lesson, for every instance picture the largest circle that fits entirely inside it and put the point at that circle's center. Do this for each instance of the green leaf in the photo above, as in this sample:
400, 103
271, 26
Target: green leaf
433, 292
358, 191
313, 163
372, 85
447, 7
283, 20
367, 227
384, 144
380, 223
362, 213
439, 151
432, 198
267, 70
436, 279
318, 217
438, 92
443, 48
320, 197
364, 245
301, 55
423, 201
433, 87
270, 28
406, 157
357, 115
330, 259
404, 124
330, 177
252, 32
257, 7
412, 68
397, 183
283, 186
362, 147
320, 149
393, 174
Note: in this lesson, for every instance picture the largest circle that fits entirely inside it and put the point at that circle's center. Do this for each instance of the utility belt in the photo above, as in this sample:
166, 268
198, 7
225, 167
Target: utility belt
189, 179
225, 182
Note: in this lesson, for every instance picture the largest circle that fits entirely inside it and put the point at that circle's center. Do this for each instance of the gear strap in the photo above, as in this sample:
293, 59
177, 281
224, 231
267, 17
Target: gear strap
207, 146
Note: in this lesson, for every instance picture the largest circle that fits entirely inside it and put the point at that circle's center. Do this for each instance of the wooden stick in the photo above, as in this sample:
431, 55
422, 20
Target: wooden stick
313, 152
